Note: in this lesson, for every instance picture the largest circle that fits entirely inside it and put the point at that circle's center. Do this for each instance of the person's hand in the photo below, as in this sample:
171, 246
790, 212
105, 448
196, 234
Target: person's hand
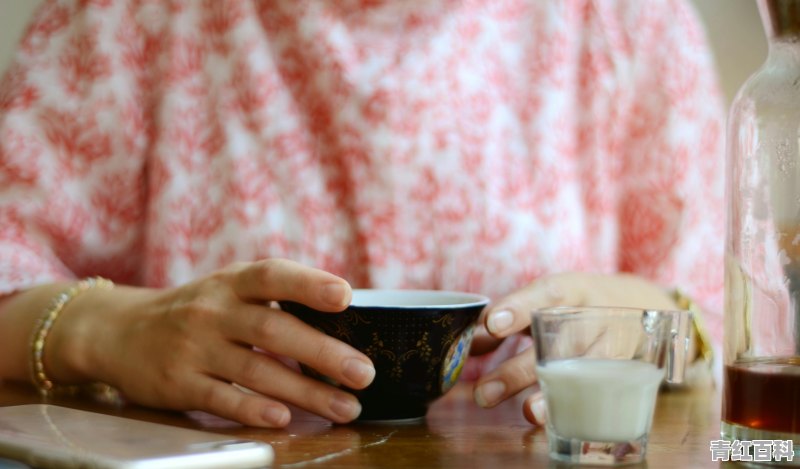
183, 348
511, 314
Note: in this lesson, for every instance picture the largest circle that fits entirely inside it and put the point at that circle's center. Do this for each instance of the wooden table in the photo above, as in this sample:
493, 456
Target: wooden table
455, 434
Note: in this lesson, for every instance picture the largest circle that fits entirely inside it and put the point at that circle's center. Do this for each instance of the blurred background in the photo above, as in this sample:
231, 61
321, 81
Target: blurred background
733, 27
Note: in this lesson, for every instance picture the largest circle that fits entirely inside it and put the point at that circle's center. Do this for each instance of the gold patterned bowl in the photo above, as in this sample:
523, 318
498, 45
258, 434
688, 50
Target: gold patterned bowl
418, 341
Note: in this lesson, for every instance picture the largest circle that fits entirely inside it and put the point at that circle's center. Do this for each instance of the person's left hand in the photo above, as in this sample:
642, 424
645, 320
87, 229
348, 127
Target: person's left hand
511, 314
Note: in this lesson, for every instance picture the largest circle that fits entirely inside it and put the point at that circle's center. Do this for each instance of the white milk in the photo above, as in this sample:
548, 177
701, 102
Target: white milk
599, 399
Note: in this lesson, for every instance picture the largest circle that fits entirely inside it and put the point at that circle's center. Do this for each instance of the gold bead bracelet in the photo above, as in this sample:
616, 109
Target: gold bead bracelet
45, 324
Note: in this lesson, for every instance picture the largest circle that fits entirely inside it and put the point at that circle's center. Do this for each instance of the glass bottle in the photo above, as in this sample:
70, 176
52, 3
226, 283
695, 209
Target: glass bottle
761, 395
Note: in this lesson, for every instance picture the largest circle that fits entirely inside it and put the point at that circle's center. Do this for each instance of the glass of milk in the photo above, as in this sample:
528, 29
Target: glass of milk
600, 369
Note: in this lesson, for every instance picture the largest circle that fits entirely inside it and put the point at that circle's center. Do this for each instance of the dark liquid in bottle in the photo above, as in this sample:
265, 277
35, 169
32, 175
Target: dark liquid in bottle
763, 395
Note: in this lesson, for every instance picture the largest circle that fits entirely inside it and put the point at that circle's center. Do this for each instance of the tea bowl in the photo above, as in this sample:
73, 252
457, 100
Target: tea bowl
418, 341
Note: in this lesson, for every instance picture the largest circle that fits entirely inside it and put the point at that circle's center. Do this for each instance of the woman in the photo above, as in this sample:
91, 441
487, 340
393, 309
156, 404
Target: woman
538, 152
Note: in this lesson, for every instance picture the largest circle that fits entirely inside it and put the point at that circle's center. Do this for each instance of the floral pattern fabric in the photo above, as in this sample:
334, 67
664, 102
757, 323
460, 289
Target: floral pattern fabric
467, 145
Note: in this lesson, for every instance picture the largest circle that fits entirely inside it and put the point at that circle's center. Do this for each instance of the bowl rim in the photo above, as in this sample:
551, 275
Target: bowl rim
447, 299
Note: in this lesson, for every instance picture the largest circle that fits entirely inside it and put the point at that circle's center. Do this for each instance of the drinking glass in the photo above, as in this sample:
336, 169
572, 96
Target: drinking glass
600, 369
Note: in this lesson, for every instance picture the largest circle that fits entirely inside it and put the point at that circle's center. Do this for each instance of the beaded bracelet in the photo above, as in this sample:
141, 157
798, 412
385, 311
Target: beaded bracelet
45, 324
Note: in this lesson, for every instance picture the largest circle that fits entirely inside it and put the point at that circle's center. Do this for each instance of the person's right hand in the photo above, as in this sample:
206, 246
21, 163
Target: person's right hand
182, 348
511, 314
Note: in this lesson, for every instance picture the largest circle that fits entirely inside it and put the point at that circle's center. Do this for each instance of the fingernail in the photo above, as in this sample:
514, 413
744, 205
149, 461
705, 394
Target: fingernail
358, 372
490, 393
499, 321
334, 294
347, 408
276, 416
539, 410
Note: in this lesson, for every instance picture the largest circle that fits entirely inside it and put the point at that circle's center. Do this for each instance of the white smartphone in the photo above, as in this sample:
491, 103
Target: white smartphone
50, 436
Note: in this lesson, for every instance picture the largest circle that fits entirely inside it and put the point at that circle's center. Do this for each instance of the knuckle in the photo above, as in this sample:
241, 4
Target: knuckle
552, 289
318, 397
305, 279
186, 305
325, 352
285, 276
197, 311
214, 398
171, 366
268, 327
174, 364
200, 306
170, 379
253, 371
521, 375
269, 270
234, 267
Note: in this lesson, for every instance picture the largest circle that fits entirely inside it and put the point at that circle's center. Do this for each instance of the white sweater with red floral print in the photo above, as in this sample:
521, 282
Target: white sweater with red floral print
463, 145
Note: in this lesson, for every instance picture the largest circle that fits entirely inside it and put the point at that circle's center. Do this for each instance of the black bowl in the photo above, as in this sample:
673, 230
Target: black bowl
418, 341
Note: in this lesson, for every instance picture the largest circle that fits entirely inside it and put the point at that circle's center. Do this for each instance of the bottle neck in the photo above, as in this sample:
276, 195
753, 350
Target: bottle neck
781, 19
784, 52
